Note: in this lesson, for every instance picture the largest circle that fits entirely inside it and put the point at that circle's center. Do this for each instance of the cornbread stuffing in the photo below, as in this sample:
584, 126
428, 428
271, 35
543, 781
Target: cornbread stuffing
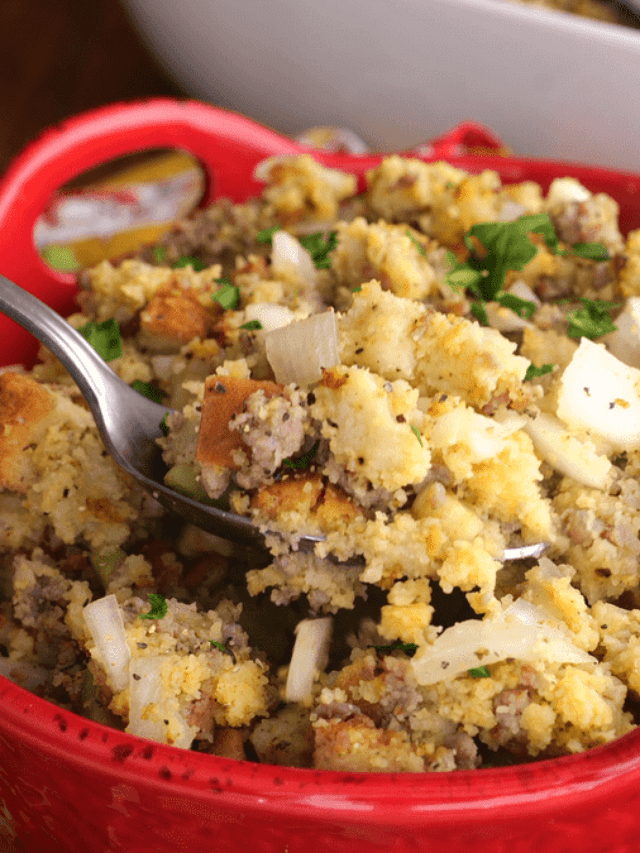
427, 377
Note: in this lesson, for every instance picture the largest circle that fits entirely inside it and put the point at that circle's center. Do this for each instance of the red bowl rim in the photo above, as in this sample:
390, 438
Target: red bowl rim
466, 796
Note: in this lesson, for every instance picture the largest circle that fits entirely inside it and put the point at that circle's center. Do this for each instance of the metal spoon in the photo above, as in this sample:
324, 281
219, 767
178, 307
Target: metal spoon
129, 423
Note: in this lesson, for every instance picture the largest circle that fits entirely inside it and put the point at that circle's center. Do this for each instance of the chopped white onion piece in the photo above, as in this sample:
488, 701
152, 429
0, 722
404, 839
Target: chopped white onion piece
522, 631
298, 352
289, 255
262, 171
145, 697
103, 618
270, 315
521, 289
154, 713
566, 453
310, 653
624, 343
599, 395
565, 191
510, 211
483, 436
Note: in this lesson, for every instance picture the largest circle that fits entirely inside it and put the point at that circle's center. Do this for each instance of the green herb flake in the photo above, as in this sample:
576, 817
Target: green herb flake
591, 320
252, 325
416, 243
533, 372
540, 223
159, 254
266, 235
408, 648
228, 296
104, 338
480, 672
521, 307
319, 247
217, 645
105, 564
159, 607
507, 247
463, 277
416, 432
496, 248
164, 426
147, 390
304, 461
589, 251
479, 311
189, 261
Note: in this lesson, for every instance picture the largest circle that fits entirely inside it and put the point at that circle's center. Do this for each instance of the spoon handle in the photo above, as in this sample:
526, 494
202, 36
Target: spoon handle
118, 409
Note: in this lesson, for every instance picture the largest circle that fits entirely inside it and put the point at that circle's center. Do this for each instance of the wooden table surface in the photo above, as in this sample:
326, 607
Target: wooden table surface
60, 57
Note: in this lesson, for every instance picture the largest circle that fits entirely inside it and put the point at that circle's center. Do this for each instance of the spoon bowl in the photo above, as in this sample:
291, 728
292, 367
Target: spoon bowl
130, 423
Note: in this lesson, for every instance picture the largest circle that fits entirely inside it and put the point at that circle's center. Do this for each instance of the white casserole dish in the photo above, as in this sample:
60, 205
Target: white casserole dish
551, 84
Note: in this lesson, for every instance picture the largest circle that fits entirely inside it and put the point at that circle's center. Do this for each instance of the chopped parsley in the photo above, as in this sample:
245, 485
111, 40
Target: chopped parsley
147, 390
217, 645
302, 461
591, 320
417, 244
497, 247
105, 564
104, 338
159, 607
252, 325
319, 247
164, 426
521, 307
266, 235
408, 648
159, 254
189, 261
416, 432
228, 296
480, 672
533, 372
590, 251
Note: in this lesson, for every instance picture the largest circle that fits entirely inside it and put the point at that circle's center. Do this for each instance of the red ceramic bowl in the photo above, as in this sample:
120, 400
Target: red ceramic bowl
69, 785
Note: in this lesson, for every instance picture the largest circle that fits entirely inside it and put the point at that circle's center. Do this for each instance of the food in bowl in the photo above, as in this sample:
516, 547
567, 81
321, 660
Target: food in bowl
598, 10
422, 376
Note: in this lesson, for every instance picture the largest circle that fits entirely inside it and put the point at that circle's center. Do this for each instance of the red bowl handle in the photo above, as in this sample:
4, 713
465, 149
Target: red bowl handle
227, 145
466, 138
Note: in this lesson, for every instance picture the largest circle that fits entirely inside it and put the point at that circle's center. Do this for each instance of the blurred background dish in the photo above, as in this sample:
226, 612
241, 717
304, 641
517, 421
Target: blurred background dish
551, 84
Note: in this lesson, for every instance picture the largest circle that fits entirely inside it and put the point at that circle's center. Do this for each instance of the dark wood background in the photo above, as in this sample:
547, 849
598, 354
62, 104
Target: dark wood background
60, 57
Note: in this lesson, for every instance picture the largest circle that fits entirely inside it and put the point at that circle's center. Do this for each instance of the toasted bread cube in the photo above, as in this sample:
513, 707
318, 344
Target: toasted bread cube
25, 410
224, 397
307, 496
175, 314
295, 495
